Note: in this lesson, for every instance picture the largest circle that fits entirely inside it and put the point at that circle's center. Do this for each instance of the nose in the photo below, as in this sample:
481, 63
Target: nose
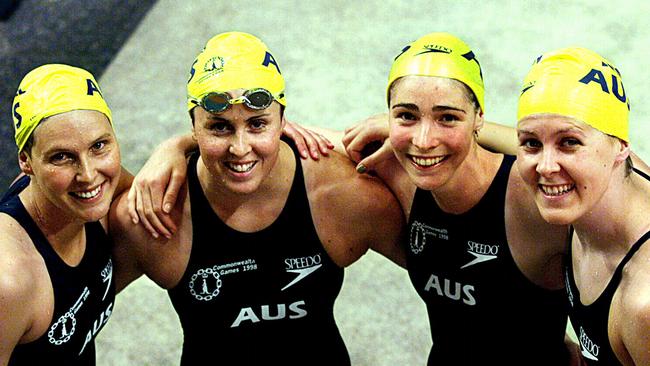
548, 163
239, 145
426, 136
86, 170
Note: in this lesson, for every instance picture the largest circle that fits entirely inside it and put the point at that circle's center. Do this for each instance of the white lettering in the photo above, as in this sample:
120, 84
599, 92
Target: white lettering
479, 248
298, 312
302, 262
248, 313
588, 346
467, 298
281, 312
245, 314
97, 325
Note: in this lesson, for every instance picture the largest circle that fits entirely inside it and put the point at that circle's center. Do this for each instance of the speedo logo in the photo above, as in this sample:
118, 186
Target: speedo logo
481, 252
568, 286
434, 48
303, 266
588, 348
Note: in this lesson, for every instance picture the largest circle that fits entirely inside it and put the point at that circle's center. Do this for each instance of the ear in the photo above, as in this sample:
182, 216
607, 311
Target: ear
283, 122
193, 133
623, 151
25, 163
478, 122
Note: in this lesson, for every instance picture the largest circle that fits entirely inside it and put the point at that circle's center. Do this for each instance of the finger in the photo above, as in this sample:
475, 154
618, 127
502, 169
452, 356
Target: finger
383, 153
291, 130
171, 194
311, 141
153, 210
143, 217
131, 204
324, 144
350, 134
355, 148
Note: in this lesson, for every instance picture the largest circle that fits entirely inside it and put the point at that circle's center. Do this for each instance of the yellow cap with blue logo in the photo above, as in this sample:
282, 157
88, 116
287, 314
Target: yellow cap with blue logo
577, 83
53, 89
441, 55
234, 60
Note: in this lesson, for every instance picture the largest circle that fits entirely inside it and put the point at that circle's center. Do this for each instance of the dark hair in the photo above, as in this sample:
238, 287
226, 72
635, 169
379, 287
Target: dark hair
629, 166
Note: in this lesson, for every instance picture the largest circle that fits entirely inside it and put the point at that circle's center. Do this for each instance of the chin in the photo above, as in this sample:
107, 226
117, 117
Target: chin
556, 217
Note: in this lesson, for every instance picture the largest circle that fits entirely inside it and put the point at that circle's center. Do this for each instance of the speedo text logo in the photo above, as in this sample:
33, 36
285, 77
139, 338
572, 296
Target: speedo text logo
303, 266
588, 348
481, 252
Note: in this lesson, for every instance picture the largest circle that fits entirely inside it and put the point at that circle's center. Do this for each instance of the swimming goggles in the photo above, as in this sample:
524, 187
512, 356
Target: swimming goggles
257, 99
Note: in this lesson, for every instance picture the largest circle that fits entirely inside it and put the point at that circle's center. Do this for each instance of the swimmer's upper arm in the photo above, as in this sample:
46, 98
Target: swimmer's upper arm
498, 138
379, 216
127, 238
635, 305
16, 292
638, 338
356, 212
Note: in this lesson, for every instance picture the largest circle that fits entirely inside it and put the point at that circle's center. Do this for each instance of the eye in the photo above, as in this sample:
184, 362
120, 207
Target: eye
405, 115
570, 142
448, 117
60, 158
99, 145
220, 127
257, 124
530, 144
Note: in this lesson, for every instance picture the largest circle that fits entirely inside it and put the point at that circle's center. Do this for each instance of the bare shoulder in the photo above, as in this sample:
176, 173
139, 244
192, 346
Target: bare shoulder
635, 284
122, 229
537, 246
334, 180
633, 307
23, 285
348, 207
136, 252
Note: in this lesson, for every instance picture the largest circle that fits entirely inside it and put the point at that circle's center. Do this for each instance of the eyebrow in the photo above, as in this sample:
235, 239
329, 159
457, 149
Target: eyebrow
558, 132
217, 118
59, 149
437, 108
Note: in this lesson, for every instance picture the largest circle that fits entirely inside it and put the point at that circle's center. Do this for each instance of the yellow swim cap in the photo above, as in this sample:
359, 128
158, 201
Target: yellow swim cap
53, 89
234, 60
442, 55
578, 83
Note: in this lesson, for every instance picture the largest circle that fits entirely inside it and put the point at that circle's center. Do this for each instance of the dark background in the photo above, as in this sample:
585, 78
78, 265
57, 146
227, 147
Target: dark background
83, 33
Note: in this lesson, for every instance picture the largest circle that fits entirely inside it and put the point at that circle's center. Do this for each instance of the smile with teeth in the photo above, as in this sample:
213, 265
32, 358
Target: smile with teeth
240, 167
87, 194
427, 162
556, 190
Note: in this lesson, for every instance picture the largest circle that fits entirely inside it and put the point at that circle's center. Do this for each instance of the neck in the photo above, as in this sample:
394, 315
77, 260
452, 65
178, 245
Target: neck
469, 182
618, 219
64, 233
